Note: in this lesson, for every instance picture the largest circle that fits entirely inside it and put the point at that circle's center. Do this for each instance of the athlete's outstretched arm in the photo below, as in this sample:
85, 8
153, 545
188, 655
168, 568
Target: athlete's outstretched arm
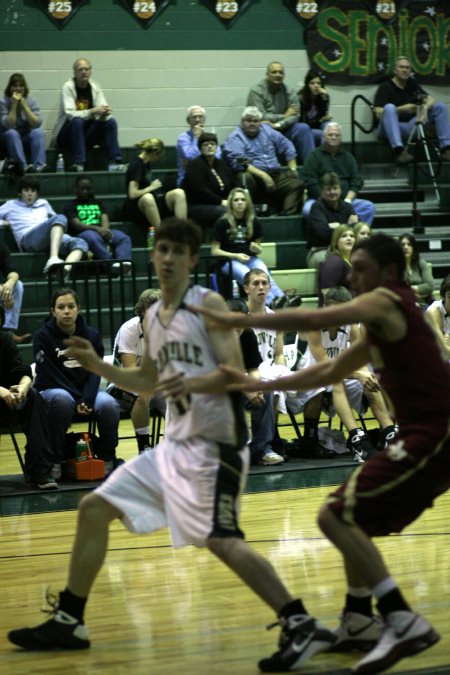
141, 379
367, 307
326, 372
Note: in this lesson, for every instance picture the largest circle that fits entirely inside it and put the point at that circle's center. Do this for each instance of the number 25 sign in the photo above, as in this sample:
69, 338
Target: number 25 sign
227, 10
60, 11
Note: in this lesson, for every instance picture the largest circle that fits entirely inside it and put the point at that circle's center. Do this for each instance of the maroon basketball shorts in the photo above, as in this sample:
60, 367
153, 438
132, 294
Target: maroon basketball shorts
392, 488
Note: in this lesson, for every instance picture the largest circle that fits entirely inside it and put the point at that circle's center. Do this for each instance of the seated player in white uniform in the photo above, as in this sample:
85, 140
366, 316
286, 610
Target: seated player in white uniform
439, 310
356, 393
127, 352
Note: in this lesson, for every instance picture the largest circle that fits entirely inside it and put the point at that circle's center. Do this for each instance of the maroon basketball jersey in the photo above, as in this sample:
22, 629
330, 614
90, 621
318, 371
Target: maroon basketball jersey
412, 371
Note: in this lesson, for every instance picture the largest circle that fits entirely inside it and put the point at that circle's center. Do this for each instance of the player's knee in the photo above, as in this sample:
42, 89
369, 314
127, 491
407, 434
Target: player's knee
222, 547
94, 511
325, 519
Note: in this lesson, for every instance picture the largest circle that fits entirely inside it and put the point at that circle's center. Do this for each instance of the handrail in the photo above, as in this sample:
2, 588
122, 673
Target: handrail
355, 123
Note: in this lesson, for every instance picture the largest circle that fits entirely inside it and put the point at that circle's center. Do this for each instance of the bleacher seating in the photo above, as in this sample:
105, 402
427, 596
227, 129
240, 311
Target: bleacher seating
284, 248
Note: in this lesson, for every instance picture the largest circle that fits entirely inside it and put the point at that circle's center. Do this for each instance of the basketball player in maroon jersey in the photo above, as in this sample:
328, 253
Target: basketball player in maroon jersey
394, 487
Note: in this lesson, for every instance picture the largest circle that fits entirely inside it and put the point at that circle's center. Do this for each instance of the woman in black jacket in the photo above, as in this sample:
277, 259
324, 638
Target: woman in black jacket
207, 183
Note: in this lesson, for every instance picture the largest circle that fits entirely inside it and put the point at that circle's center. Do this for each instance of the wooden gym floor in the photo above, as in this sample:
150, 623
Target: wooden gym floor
156, 610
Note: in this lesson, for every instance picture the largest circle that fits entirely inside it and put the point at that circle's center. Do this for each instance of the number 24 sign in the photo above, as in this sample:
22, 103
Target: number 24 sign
145, 11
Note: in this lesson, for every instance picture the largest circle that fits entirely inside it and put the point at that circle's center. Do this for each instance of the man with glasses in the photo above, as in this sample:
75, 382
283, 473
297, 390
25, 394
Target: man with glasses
252, 151
85, 120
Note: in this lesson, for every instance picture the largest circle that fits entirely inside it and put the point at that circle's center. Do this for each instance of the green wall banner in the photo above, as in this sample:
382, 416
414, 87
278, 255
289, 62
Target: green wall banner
145, 12
227, 12
60, 11
358, 43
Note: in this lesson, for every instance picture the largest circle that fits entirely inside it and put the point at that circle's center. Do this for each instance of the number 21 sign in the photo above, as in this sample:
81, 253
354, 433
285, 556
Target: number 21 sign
60, 11
145, 11
227, 11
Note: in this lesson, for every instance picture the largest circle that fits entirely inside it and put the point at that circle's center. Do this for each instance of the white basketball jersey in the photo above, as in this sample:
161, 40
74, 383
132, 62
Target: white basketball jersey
267, 342
183, 345
332, 347
439, 305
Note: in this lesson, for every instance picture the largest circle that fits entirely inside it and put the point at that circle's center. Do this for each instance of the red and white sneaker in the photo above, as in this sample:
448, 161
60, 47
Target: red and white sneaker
405, 634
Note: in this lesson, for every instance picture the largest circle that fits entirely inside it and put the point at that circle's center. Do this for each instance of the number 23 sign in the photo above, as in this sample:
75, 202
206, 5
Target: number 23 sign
227, 11
145, 11
60, 11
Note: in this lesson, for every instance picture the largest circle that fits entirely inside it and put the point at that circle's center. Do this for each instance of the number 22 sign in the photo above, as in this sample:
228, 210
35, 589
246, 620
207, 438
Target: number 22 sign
60, 11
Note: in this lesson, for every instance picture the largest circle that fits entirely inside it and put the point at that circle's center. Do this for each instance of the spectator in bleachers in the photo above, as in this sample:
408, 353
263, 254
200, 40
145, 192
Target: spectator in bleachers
11, 294
280, 108
207, 183
18, 396
84, 120
187, 145
68, 388
36, 227
315, 104
331, 157
252, 151
333, 271
20, 125
146, 204
237, 237
326, 214
88, 219
362, 231
439, 310
418, 272
127, 352
398, 100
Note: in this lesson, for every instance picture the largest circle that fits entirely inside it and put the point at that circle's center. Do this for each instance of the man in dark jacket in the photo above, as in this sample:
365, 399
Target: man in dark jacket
66, 386
19, 399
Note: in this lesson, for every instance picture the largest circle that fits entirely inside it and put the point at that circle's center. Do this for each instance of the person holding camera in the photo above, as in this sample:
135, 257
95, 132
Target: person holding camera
400, 102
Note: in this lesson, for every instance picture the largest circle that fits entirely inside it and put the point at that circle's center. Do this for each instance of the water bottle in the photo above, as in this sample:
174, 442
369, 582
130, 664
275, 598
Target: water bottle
151, 238
235, 289
60, 164
81, 451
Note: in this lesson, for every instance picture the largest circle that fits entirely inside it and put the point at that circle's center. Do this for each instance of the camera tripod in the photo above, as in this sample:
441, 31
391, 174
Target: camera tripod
418, 138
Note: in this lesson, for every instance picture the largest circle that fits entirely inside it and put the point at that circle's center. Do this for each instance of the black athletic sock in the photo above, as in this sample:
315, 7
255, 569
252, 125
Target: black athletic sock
392, 601
72, 604
360, 605
143, 441
311, 428
294, 607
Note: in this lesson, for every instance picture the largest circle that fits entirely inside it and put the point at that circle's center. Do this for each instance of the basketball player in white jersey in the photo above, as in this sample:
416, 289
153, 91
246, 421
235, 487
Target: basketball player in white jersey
439, 311
192, 481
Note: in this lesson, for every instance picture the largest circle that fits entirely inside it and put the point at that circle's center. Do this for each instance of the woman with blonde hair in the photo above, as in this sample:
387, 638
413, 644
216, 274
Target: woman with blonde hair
146, 203
362, 231
335, 268
237, 237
